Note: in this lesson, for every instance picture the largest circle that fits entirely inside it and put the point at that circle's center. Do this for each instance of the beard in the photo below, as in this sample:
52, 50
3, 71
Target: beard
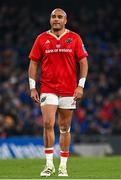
57, 27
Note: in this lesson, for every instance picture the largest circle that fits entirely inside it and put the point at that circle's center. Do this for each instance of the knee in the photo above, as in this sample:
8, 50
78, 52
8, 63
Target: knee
48, 125
64, 130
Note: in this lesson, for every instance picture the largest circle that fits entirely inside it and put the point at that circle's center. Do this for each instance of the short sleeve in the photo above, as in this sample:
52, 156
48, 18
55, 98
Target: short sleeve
36, 51
80, 50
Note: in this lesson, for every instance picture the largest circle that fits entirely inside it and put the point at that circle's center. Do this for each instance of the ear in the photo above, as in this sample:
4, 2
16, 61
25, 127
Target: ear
65, 21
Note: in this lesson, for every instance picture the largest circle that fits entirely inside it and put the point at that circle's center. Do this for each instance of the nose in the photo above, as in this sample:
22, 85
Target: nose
56, 18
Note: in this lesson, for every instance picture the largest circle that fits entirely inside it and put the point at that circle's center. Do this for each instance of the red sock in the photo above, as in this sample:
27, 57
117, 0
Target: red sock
49, 150
64, 154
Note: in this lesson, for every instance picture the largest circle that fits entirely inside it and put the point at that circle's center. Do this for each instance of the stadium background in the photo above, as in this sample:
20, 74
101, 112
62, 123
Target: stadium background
96, 123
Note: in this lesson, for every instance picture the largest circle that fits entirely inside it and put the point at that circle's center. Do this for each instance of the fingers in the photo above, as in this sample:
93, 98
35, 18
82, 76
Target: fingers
35, 97
75, 98
77, 95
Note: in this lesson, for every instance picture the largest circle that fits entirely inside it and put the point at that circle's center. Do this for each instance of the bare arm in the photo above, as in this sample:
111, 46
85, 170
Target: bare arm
32, 72
78, 93
83, 68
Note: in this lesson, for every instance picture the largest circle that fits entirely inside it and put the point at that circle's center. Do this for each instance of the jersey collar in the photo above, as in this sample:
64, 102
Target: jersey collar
58, 38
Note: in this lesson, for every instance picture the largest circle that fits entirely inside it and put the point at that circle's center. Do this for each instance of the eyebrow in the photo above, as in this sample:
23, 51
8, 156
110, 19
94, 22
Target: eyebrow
57, 15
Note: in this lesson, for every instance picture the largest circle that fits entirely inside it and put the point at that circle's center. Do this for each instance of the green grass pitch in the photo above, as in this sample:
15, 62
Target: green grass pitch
78, 168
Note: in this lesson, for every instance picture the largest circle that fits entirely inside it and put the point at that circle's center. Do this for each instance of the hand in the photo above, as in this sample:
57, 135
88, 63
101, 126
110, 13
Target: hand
35, 95
78, 93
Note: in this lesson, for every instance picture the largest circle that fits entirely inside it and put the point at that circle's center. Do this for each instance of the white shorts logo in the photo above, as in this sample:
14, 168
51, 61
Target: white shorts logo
43, 99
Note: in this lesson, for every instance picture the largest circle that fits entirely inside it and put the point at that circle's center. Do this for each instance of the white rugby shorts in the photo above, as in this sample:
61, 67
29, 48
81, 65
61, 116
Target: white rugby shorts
61, 102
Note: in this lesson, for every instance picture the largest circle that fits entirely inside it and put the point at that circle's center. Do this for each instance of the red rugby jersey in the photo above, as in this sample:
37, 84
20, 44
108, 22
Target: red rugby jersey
58, 56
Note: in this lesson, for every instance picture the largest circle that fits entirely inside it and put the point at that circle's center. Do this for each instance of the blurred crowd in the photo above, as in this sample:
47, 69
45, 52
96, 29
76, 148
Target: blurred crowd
99, 112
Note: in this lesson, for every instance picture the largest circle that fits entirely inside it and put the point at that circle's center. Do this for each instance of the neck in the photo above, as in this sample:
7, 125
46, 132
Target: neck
58, 32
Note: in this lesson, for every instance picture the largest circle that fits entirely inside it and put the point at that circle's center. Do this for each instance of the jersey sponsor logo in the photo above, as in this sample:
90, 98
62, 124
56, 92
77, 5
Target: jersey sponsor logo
69, 40
57, 50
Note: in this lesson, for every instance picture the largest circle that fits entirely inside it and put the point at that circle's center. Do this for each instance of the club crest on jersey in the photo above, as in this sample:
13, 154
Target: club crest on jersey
69, 40
57, 45
43, 99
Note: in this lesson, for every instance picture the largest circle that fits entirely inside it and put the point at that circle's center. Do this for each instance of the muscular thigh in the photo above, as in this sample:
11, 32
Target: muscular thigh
64, 117
48, 113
